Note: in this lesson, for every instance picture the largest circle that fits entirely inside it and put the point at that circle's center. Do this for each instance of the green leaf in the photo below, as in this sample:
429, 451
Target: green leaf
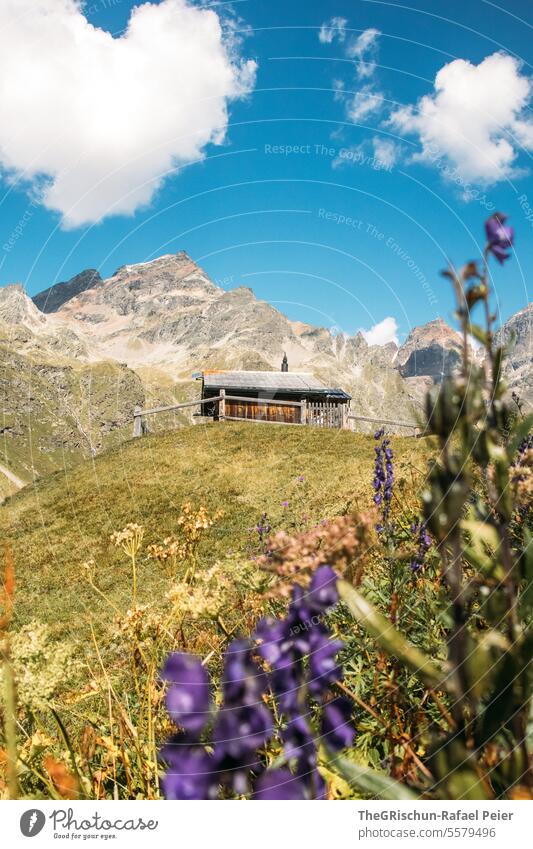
484, 543
522, 429
390, 639
372, 781
478, 333
526, 562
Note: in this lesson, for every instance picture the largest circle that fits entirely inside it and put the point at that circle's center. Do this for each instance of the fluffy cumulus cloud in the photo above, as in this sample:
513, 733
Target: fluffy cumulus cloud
363, 50
332, 29
474, 122
93, 123
382, 333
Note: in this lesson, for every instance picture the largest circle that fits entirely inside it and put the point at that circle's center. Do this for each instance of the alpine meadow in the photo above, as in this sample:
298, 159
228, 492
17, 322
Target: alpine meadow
266, 369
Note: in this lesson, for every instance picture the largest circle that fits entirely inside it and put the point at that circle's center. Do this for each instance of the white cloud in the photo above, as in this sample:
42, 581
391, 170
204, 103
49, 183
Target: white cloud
364, 50
363, 103
385, 151
474, 121
382, 333
335, 28
95, 122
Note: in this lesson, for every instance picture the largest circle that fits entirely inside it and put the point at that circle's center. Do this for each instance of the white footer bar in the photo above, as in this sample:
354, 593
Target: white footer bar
267, 825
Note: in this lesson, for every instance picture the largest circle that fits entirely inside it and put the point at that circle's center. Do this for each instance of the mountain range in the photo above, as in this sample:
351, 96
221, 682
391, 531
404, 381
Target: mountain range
80, 355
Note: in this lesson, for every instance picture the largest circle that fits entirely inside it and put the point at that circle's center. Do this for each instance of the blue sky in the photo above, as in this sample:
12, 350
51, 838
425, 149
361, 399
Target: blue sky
335, 194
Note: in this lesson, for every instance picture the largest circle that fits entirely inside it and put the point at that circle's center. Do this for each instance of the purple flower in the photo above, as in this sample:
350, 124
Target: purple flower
303, 663
188, 694
337, 730
423, 541
279, 784
190, 772
323, 590
240, 731
284, 503
271, 634
243, 682
323, 668
301, 657
499, 237
383, 480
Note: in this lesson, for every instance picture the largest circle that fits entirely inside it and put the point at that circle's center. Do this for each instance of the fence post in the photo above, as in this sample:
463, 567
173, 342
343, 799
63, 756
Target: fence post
137, 421
222, 405
344, 417
303, 412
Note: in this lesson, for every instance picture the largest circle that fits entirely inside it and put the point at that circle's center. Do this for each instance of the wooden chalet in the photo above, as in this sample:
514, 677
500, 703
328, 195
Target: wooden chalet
274, 396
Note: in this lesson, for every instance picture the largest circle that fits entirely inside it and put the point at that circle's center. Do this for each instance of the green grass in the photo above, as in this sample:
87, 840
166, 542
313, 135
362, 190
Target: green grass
244, 469
67, 518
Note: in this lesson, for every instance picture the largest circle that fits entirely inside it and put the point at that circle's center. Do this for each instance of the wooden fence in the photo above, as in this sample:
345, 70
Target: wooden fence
417, 429
326, 414
271, 411
139, 424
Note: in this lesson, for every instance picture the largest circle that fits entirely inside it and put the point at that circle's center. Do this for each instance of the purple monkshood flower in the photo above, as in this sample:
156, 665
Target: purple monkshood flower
263, 527
323, 667
337, 730
301, 656
190, 773
188, 694
242, 725
525, 445
243, 683
383, 481
279, 784
423, 541
500, 237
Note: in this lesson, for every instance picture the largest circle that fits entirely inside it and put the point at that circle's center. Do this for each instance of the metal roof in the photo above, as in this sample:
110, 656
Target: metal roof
276, 381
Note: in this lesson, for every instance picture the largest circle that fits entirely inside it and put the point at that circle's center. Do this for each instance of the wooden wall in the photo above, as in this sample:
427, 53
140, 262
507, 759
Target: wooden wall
268, 412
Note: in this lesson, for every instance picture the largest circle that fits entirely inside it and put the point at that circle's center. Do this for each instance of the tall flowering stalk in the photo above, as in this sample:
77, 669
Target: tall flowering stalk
474, 530
9, 692
383, 481
423, 544
129, 539
297, 670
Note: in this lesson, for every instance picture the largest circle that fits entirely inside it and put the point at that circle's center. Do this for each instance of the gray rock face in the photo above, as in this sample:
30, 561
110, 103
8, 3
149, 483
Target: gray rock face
517, 333
432, 350
17, 308
146, 290
53, 298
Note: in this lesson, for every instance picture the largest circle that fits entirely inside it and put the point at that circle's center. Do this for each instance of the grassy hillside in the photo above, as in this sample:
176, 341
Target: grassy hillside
68, 517
56, 412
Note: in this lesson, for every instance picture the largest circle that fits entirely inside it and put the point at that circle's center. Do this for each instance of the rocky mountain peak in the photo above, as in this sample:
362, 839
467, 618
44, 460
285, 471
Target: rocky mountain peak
53, 298
17, 308
517, 333
144, 290
431, 350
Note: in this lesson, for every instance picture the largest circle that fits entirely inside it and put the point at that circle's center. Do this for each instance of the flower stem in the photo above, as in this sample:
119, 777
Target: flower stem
10, 722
